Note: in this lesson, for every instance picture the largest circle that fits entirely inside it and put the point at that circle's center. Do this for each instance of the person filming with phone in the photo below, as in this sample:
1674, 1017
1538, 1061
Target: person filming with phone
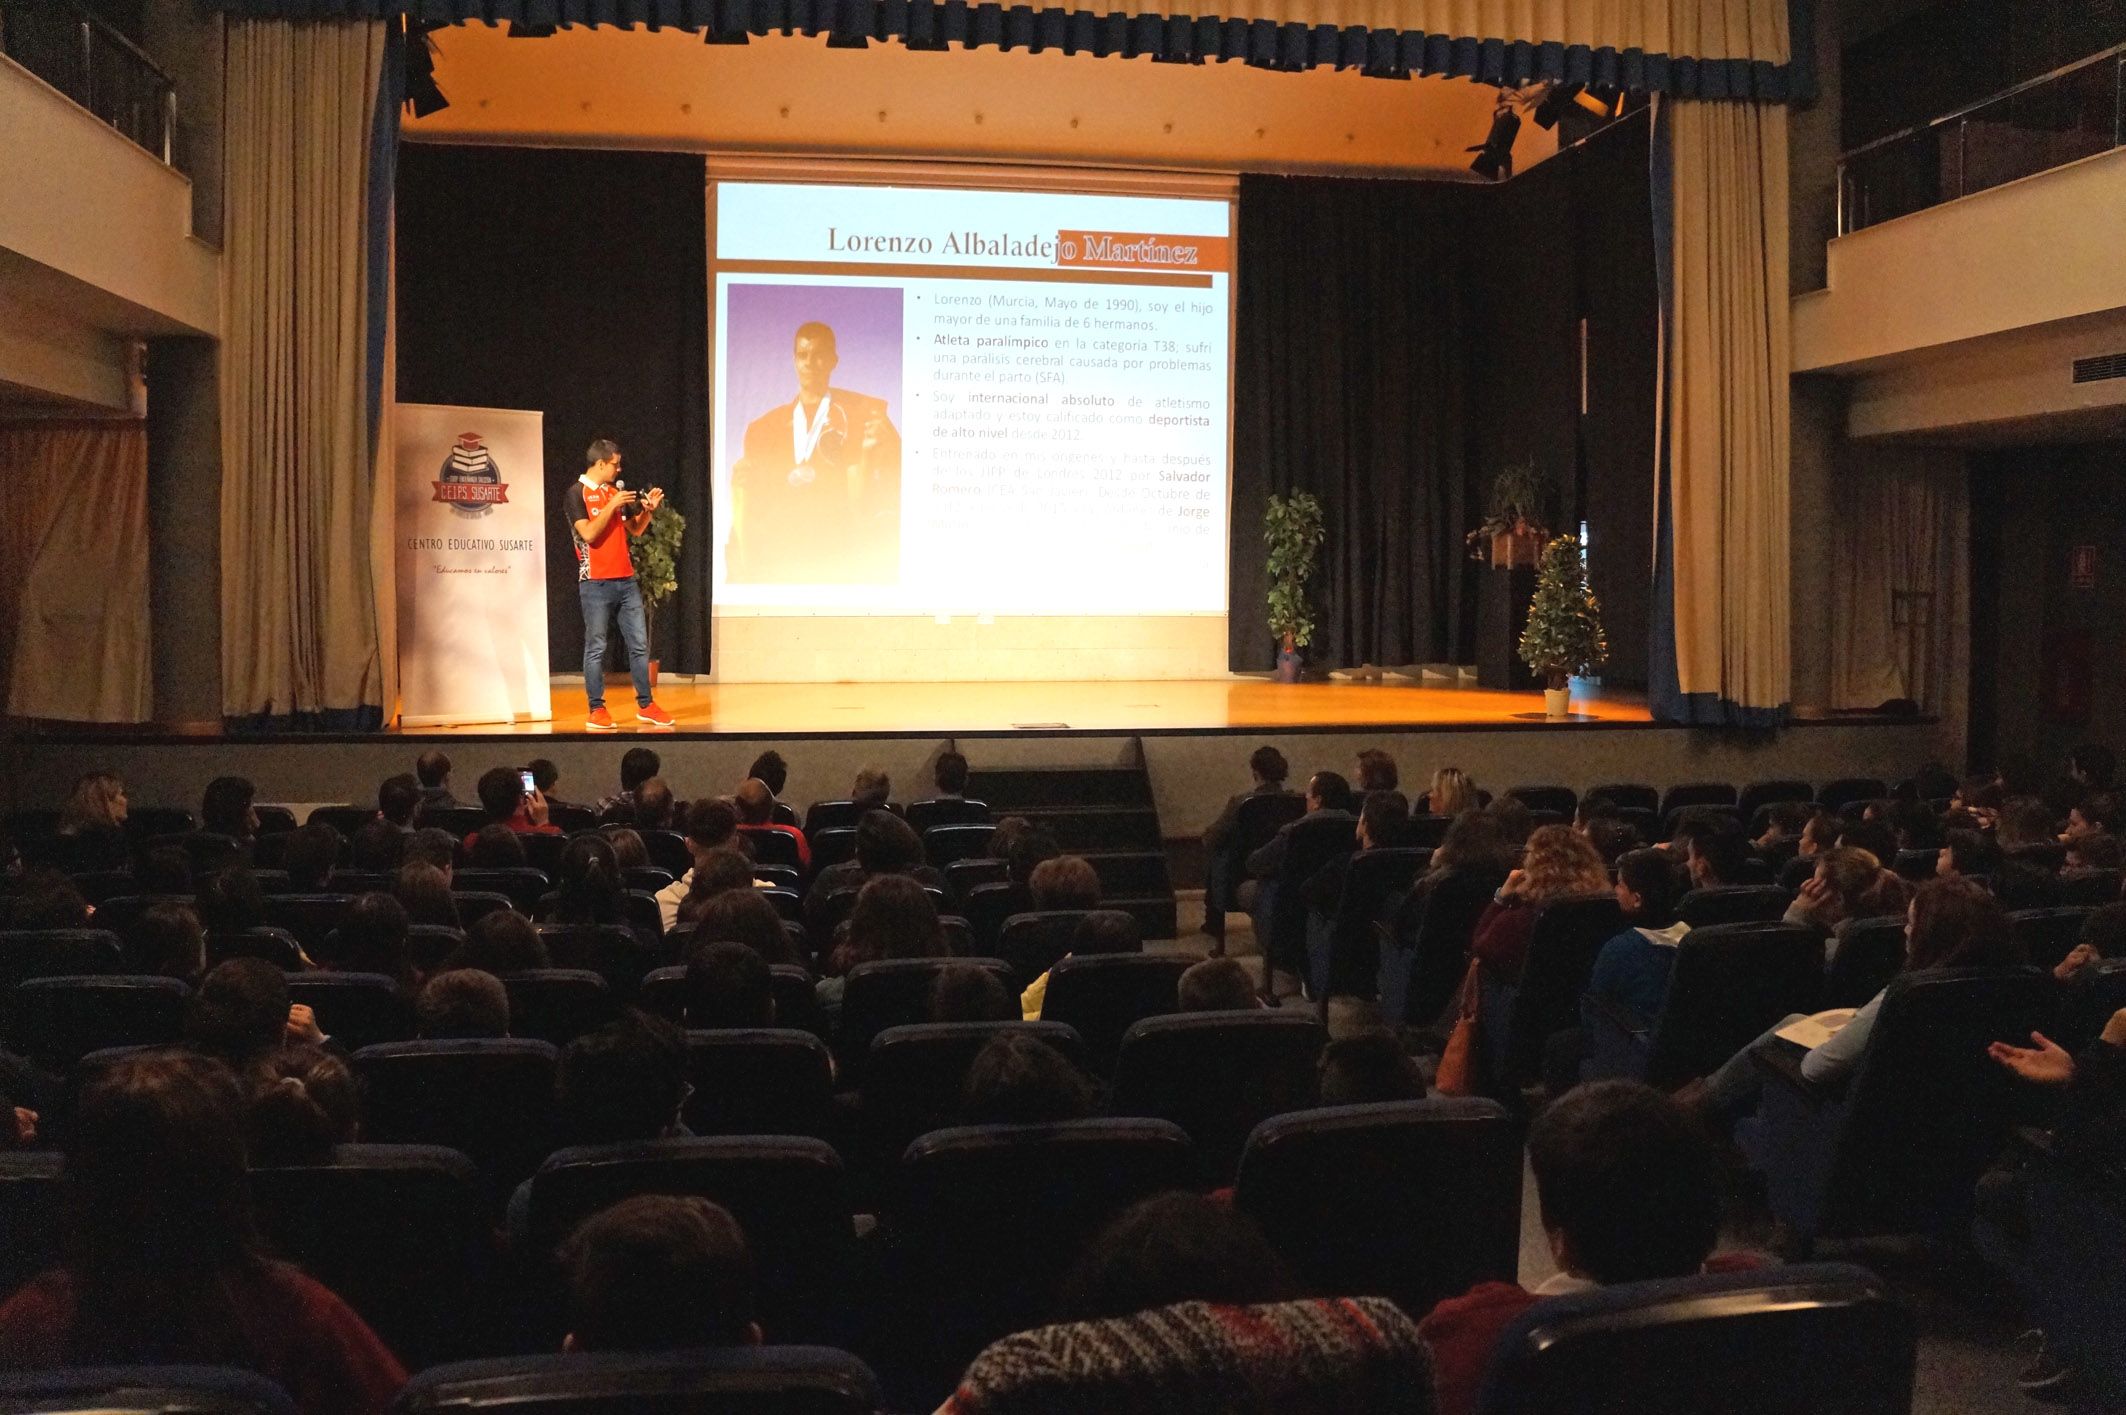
602, 513
511, 799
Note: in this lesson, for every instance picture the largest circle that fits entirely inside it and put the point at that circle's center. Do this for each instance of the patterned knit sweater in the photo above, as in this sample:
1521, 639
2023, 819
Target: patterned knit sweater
1342, 1355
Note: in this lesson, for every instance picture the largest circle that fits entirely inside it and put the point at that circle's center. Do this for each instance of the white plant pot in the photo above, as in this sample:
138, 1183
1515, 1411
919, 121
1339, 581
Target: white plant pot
1557, 703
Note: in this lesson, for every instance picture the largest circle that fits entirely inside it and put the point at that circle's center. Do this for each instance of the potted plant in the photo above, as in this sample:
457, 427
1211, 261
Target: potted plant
1292, 529
656, 556
1564, 634
1512, 531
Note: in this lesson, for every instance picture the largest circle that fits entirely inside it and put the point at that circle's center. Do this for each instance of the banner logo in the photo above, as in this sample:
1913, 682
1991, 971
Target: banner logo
469, 482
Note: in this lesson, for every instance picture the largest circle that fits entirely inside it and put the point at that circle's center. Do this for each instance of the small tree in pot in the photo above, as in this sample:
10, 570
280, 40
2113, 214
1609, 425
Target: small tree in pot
1564, 634
1292, 529
1513, 529
656, 556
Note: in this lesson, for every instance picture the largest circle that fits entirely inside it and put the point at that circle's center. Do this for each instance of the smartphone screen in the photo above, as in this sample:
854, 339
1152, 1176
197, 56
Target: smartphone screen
526, 778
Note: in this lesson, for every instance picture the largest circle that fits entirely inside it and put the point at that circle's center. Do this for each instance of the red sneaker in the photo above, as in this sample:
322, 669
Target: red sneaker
599, 721
654, 717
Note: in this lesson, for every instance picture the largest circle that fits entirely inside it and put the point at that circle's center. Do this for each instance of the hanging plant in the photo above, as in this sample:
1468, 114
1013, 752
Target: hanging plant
1515, 518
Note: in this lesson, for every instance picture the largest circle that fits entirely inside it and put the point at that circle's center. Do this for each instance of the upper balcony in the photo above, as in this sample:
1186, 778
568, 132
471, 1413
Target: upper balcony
93, 64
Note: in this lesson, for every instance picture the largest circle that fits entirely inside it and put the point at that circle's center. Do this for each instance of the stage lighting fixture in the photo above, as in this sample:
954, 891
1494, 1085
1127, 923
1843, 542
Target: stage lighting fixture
1552, 105
420, 70
1494, 155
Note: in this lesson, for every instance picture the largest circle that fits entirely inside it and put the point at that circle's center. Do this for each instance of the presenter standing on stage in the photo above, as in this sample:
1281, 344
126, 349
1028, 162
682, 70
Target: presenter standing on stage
602, 514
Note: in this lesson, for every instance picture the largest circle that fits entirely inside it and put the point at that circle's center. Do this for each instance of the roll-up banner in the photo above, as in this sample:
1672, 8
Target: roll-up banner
471, 565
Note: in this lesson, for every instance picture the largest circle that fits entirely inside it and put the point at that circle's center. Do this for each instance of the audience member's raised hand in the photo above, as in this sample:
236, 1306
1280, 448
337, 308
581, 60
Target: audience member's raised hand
535, 807
2045, 1064
2078, 958
22, 1128
302, 1025
2115, 1030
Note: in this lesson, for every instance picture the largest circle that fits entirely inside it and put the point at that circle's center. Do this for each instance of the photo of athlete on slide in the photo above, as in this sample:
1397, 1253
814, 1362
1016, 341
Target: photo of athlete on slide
816, 488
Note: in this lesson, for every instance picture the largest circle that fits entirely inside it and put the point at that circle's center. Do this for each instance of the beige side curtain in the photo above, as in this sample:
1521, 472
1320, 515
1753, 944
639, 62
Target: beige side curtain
1712, 29
1726, 418
74, 605
1900, 604
299, 613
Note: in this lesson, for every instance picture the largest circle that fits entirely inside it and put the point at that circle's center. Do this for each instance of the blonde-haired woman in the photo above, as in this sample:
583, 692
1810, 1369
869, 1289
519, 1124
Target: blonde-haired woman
93, 822
1559, 863
1453, 791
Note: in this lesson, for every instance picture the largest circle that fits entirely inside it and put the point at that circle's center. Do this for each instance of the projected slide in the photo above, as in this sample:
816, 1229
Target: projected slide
944, 401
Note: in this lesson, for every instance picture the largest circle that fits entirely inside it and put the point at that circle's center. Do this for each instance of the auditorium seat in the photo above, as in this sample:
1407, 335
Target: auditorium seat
347, 820
1255, 824
2090, 888
1696, 793
492, 1099
354, 1009
2072, 1279
50, 953
788, 903
2048, 935
1431, 933
1416, 1201
2096, 992
276, 946
988, 905
773, 847
958, 935
1865, 954
31, 1224
400, 1232
476, 904
734, 1380
796, 1003
1820, 1337
459, 821
310, 917
1835, 796
1733, 904
1558, 800
1280, 912
915, 1076
1517, 1019
1918, 866
523, 887
1033, 942
775, 876
946, 810
830, 815
986, 1219
56, 1021
1373, 887
1102, 995
122, 911
430, 944
1672, 821
1627, 795
785, 814
556, 1005
1429, 832
571, 820
833, 846
758, 1081
1898, 1149
96, 886
668, 852
961, 877
544, 852
943, 844
142, 1390
274, 820
1217, 1075
362, 881
786, 1191
1727, 984
1760, 795
615, 952
893, 992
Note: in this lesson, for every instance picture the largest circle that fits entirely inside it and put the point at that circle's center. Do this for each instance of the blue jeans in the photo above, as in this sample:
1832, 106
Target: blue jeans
600, 598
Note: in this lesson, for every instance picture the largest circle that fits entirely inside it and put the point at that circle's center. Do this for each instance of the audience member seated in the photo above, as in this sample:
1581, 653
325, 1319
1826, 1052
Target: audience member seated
1718, 854
1453, 791
716, 872
93, 820
1632, 969
372, 938
625, 1081
2092, 767
1629, 1190
495, 847
1174, 1247
1374, 770
1383, 824
545, 777
241, 1014
1107, 931
1016, 1079
629, 850
2019, 882
1612, 838
503, 797
743, 916
311, 854
503, 941
711, 827
378, 847
1516, 821
432, 846
1369, 1067
2093, 851
1065, 882
894, 917
966, 993
659, 1272
637, 765
2025, 822
163, 869
230, 901
1849, 883
1818, 837
1558, 864
2103, 936
432, 770
1967, 853
871, 791
303, 1101
885, 845
462, 1005
1873, 836
1216, 985
729, 985
424, 892
771, 771
226, 809
1950, 923
2095, 814
1785, 821
588, 888
949, 776
1328, 798
169, 941
756, 816
162, 1264
47, 899
1269, 769
655, 808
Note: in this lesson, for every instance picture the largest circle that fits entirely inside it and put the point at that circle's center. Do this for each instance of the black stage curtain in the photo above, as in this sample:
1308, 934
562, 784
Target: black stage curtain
574, 283
1399, 342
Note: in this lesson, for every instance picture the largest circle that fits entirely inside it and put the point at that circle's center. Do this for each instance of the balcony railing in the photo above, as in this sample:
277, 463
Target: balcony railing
96, 66
2073, 112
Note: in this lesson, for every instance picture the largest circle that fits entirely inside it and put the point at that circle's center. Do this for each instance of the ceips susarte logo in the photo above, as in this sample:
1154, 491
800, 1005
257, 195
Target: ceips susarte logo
470, 483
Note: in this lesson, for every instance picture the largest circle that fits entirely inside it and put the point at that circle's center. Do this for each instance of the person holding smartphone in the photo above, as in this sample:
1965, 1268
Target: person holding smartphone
511, 798
602, 513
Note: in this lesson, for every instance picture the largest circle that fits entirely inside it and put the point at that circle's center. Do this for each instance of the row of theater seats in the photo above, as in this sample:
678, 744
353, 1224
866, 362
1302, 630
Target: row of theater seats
1821, 1336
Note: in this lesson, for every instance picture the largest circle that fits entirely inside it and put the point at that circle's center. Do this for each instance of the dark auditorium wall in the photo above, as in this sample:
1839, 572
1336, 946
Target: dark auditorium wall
575, 283
1398, 342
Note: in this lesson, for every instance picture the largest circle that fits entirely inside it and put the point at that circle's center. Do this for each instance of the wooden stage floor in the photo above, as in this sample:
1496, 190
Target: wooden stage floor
1159, 706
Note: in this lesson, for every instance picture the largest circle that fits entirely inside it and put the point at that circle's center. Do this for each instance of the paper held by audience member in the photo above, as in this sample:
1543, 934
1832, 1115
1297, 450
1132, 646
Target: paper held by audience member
1813, 1032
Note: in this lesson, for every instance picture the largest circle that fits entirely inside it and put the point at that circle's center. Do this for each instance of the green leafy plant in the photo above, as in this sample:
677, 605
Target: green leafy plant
1564, 634
1519, 504
656, 556
1292, 529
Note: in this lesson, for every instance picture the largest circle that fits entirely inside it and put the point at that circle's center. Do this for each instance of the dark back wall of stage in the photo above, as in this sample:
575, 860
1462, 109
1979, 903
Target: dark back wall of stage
574, 283
1397, 343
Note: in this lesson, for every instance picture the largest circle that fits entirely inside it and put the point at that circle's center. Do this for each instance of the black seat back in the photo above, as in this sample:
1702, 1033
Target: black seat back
354, 1009
1820, 1337
2048, 935
946, 810
758, 1081
833, 846
1760, 794
54, 953
1561, 955
1835, 796
56, 1021
1728, 983
944, 844
915, 1075
276, 946
1734, 904
615, 952
1434, 924
1416, 1201
732, 1380
557, 1005
893, 992
31, 1222
830, 815
1102, 995
2096, 992
668, 851
1865, 955
523, 886
1559, 800
1218, 1075
1628, 796
1033, 942
1696, 793
961, 877
988, 905
1310, 843
2092, 888
493, 1100
310, 917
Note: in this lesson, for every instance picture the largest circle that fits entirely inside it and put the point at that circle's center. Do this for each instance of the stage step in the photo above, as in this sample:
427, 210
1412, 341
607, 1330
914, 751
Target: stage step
1105, 814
